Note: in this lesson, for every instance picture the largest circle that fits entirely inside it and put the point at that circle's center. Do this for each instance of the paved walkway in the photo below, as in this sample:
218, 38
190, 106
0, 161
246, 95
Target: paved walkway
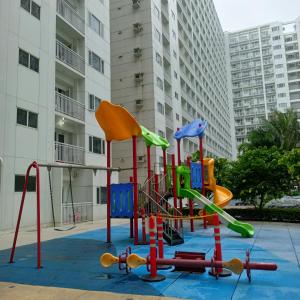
71, 269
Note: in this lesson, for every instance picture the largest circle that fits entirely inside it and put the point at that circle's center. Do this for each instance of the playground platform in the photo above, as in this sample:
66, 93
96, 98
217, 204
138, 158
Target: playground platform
71, 267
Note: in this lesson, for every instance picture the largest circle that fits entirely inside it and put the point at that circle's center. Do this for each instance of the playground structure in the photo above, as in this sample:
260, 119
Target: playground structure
126, 200
185, 261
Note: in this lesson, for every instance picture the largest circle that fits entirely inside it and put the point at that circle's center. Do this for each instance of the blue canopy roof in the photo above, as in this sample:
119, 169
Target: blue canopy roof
195, 128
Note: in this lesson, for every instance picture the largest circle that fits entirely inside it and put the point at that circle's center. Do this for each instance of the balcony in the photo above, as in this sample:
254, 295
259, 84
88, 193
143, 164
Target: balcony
69, 153
70, 15
70, 58
69, 106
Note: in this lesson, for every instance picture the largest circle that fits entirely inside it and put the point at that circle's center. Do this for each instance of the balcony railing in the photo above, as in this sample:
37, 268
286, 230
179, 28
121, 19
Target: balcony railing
70, 57
83, 212
69, 153
71, 15
69, 106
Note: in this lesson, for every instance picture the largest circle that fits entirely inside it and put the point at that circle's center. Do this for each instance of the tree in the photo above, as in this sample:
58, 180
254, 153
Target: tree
257, 176
222, 169
281, 130
291, 160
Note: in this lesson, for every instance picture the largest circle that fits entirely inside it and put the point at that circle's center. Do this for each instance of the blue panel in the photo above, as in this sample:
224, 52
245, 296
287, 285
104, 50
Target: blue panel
122, 200
196, 176
195, 128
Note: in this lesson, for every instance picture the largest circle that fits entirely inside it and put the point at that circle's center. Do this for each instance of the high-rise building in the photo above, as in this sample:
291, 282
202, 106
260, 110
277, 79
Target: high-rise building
168, 68
264, 68
55, 69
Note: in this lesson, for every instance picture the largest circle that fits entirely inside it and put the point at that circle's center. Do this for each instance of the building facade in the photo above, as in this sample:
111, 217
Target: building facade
168, 68
264, 69
55, 69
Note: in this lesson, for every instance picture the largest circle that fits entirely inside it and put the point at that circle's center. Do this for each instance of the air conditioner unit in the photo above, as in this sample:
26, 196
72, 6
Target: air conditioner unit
137, 52
136, 4
139, 103
138, 77
141, 158
137, 27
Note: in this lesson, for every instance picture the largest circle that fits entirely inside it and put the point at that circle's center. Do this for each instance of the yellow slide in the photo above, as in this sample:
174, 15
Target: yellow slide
222, 196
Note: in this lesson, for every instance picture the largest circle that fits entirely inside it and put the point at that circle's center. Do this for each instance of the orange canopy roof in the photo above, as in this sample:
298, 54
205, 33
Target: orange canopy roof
117, 122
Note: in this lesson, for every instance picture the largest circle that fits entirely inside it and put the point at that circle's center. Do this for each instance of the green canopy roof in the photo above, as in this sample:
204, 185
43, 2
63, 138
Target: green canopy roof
152, 138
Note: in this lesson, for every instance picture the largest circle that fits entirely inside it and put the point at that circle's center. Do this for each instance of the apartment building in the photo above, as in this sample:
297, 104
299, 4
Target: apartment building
168, 68
55, 69
264, 69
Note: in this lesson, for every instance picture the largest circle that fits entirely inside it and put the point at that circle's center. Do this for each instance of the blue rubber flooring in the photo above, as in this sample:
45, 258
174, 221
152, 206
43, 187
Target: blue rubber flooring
73, 262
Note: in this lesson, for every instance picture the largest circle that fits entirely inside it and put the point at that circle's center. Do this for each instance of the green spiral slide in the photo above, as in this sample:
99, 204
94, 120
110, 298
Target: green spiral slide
245, 229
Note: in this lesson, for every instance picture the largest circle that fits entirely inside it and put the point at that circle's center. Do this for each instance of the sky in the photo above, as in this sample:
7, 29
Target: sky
240, 14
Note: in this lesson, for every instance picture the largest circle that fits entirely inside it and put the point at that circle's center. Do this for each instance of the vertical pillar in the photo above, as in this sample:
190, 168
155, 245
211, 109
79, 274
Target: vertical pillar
156, 188
135, 190
38, 215
179, 163
149, 168
165, 174
174, 189
191, 205
108, 187
202, 178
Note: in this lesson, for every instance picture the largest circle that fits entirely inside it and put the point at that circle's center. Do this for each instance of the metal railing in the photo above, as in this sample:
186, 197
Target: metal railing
71, 15
69, 153
83, 212
70, 57
69, 106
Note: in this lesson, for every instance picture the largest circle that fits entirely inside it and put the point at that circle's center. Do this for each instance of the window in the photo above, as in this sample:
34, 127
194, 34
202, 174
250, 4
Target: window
281, 75
173, 15
161, 133
175, 75
278, 56
174, 34
27, 118
277, 47
157, 34
96, 62
158, 58
281, 95
160, 108
176, 95
279, 66
96, 145
96, 25
276, 28
276, 38
29, 61
177, 117
174, 54
94, 102
101, 195
281, 85
159, 83
31, 7
19, 183
156, 12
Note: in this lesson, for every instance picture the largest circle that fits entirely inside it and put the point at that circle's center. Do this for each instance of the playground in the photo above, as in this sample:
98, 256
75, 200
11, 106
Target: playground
162, 251
73, 262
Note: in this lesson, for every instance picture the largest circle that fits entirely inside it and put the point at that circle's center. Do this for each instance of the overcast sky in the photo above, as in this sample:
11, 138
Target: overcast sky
239, 14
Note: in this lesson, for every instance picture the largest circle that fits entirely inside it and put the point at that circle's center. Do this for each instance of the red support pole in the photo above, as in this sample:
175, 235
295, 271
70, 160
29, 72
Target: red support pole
156, 187
153, 270
153, 276
13, 249
143, 226
135, 190
218, 249
165, 174
202, 178
108, 190
149, 168
191, 205
131, 228
174, 189
38, 214
160, 231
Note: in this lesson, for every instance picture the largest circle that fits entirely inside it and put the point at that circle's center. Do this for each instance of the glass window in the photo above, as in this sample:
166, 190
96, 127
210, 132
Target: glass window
25, 4
34, 63
159, 83
96, 145
23, 58
32, 119
35, 10
96, 62
103, 195
158, 58
22, 116
96, 24
160, 108
19, 183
